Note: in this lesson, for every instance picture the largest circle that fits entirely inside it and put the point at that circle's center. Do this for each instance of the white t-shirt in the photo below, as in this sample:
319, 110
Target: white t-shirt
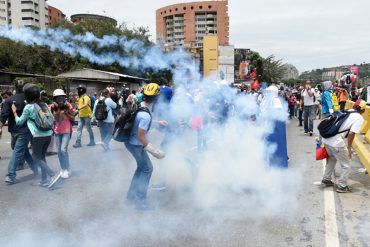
307, 100
353, 122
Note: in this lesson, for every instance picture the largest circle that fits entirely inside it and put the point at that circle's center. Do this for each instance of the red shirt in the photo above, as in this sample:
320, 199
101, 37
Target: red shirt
63, 124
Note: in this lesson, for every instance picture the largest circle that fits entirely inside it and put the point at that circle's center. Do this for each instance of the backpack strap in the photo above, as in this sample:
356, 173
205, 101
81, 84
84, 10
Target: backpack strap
145, 109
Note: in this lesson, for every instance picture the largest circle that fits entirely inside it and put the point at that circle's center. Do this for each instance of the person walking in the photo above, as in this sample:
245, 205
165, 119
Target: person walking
327, 104
84, 108
41, 137
139, 146
103, 113
338, 151
342, 97
291, 104
64, 117
308, 96
20, 134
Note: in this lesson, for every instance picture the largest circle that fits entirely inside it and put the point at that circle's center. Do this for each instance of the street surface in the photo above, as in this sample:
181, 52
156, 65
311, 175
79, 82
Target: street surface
89, 209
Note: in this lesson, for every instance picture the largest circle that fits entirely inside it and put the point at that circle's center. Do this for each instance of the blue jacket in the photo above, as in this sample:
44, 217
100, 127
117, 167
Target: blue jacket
326, 102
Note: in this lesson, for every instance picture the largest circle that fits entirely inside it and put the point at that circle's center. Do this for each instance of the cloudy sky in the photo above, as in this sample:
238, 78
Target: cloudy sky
306, 33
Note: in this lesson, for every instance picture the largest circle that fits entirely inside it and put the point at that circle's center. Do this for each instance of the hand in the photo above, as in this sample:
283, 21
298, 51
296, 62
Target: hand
163, 123
331, 111
157, 153
14, 108
349, 154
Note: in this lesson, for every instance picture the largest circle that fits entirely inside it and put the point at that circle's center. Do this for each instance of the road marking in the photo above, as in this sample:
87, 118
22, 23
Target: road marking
331, 228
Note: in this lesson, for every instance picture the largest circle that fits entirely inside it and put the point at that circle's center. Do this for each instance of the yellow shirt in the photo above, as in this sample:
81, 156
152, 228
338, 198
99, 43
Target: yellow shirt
85, 112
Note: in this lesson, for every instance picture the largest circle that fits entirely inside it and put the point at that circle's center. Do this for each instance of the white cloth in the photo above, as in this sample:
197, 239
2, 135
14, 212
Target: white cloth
308, 100
353, 123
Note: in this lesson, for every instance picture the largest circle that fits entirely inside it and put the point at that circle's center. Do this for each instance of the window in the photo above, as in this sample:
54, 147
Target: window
27, 18
210, 6
36, 20
184, 8
200, 7
27, 10
26, 2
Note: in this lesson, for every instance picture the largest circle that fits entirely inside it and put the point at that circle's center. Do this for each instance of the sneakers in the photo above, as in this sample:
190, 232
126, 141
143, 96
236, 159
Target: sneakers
77, 145
305, 133
43, 183
53, 180
9, 181
327, 182
160, 186
91, 144
65, 174
310, 133
341, 189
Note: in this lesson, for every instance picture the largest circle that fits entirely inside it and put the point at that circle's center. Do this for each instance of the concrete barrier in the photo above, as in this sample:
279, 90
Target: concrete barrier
361, 143
362, 148
349, 105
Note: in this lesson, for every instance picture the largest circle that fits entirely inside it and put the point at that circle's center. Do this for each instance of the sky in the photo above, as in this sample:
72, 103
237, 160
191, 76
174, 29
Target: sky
309, 34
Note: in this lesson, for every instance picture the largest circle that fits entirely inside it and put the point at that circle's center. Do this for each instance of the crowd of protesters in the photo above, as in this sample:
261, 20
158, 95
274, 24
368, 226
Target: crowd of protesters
21, 112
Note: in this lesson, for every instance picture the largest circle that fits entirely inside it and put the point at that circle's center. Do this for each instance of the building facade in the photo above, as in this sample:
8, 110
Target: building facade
24, 13
83, 17
55, 15
185, 24
333, 74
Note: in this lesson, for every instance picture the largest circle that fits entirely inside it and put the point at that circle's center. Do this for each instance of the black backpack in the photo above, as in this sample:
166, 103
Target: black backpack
125, 122
101, 111
330, 126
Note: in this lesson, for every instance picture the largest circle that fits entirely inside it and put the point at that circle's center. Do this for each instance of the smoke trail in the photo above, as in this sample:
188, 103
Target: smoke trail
62, 40
215, 173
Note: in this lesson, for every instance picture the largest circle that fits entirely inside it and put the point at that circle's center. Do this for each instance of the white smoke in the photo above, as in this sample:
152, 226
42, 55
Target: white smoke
230, 178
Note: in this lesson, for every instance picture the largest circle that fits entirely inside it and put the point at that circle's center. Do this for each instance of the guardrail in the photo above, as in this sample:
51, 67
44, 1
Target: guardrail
361, 143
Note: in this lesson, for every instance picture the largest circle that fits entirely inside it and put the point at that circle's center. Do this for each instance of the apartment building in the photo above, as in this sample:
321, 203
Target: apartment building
24, 13
185, 24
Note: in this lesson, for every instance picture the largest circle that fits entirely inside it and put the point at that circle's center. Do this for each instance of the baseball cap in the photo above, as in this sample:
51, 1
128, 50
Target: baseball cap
359, 105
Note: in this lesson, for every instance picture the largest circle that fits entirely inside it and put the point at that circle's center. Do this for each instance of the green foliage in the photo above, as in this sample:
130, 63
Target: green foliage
268, 69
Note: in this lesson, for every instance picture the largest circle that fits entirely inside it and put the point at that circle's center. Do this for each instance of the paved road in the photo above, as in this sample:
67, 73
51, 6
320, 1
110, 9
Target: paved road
89, 208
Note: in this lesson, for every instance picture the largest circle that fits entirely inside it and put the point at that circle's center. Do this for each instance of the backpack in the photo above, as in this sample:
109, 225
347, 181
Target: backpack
44, 119
330, 126
123, 126
92, 99
101, 111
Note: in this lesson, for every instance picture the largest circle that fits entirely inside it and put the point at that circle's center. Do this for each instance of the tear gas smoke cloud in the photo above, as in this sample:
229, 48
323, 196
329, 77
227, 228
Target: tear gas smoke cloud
229, 179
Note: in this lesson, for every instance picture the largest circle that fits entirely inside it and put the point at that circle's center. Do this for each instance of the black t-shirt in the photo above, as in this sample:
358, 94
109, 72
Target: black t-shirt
7, 113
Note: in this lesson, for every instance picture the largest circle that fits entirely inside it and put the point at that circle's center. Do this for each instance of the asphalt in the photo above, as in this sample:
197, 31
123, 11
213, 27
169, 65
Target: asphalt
90, 209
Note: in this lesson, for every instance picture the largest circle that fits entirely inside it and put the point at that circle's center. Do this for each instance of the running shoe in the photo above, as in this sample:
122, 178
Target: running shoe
53, 180
344, 189
327, 182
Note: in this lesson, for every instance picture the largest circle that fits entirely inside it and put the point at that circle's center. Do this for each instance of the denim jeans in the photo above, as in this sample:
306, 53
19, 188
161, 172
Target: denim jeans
19, 145
308, 117
140, 181
106, 130
339, 155
62, 142
84, 121
39, 148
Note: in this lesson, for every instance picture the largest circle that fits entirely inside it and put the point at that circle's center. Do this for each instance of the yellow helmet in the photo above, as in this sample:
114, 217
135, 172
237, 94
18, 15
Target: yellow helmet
152, 89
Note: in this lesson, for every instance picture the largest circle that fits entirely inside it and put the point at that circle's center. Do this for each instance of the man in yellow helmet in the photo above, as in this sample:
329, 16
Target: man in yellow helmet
139, 146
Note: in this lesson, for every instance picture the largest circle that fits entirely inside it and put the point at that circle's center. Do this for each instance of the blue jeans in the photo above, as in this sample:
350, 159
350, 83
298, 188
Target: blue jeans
308, 116
20, 143
84, 121
62, 142
140, 181
106, 130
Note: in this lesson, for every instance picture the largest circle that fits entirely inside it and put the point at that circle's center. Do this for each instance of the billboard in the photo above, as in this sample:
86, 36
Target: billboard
354, 73
241, 65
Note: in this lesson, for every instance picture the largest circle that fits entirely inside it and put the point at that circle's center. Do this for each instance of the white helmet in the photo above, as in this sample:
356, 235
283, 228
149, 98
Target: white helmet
58, 92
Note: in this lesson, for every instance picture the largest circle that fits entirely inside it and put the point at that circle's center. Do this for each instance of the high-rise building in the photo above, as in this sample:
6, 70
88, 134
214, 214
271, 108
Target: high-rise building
185, 24
55, 15
24, 13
